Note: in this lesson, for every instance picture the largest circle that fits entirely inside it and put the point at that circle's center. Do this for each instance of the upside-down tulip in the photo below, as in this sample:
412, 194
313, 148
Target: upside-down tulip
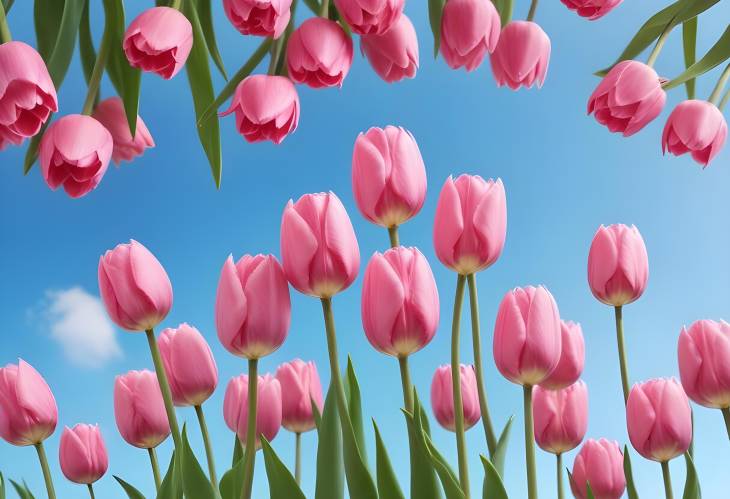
394, 54
697, 127
368, 17
469, 30
110, 113
319, 53
259, 17
522, 55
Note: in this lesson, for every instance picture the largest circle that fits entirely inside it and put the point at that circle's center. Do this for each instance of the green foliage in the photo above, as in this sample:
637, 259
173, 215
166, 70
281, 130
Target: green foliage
718, 53
2, 486
493, 486
435, 10
22, 490
206, 21
424, 482
129, 489
692, 482
354, 406
493, 483
282, 484
194, 480
689, 46
388, 487
330, 482
171, 488
629, 474
232, 481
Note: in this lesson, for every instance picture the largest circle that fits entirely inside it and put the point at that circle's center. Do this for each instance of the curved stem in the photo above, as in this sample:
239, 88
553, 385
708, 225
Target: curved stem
46, 470
405, 378
393, 234
276, 48
325, 9
618, 312
164, 386
208, 447
559, 477
726, 417
91, 490
249, 455
456, 387
176, 4
667, 480
298, 458
659, 44
533, 10
97, 73
720, 85
529, 443
5, 35
724, 100
155, 468
336, 377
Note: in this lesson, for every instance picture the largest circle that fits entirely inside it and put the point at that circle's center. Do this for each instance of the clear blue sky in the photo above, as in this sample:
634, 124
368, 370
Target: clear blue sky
563, 173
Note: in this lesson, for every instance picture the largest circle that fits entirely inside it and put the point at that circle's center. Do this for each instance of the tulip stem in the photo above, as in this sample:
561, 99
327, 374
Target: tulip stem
275, 53
155, 468
726, 417
667, 480
249, 455
164, 387
720, 86
618, 312
724, 100
298, 458
533, 10
405, 378
456, 387
560, 472
97, 73
176, 4
393, 234
325, 10
5, 35
46, 470
659, 44
529, 443
208, 447
336, 378
91, 490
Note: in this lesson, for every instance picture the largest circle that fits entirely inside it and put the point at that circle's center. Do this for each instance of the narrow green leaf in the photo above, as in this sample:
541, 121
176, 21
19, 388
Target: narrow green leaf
31, 154
232, 481
692, 482
689, 44
314, 6
493, 486
47, 16
86, 43
424, 482
129, 489
589, 491
195, 482
282, 484
171, 488
435, 10
504, 7
8, 4
388, 487
500, 450
237, 450
22, 490
2, 486
63, 49
629, 474
206, 22
718, 53
330, 482
450, 483
354, 406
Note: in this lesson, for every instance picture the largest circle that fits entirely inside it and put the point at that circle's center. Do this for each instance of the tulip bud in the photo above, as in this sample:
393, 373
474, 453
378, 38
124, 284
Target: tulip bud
591, 9
82, 454
442, 397
599, 463
300, 387
572, 357
704, 358
367, 17
110, 113
318, 245
259, 17
561, 417
618, 266
319, 53
697, 127
28, 412
268, 413
522, 55
140, 410
469, 29
134, 287
394, 54
189, 364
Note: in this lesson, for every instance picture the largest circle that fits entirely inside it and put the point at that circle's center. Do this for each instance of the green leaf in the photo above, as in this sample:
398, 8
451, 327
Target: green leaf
359, 481
195, 481
129, 489
354, 407
86, 43
388, 487
692, 482
65, 40
500, 450
47, 16
718, 53
424, 482
504, 7
493, 486
2, 486
206, 22
31, 154
629, 474
330, 472
435, 10
689, 44
447, 476
8, 4
313, 6
282, 484
171, 488
589, 491
232, 481
237, 450
22, 490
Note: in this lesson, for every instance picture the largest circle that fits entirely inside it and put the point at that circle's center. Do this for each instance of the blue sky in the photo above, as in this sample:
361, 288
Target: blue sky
564, 176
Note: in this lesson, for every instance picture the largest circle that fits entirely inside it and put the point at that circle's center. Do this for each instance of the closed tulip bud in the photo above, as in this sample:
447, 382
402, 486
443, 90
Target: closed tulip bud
139, 409
561, 417
82, 454
394, 54
110, 113
696, 127
74, 153
367, 17
319, 53
704, 363
572, 357
28, 412
522, 55
618, 266
527, 337
318, 245
469, 30
134, 287
259, 17
300, 388
442, 397
189, 364
628, 97
28, 93
388, 176
268, 414
659, 419
599, 463
159, 41
252, 306
591, 9
266, 107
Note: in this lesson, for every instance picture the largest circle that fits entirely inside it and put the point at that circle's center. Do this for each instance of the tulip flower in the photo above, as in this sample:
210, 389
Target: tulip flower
522, 55
82, 454
591, 9
110, 113
259, 17
367, 17
74, 153
28, 93
268, 415
599, 463
572, 358
469, 30
697, 127
561, 417
159, 41
319, 53
266, 107
394, 54
442, 397
139, 409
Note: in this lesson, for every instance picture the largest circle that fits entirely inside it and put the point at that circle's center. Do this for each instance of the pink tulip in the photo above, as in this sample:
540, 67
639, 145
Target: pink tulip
319, 53
394, 54
159, 41
134, 286
266, 107
442, 397
470, 224
469, 29
400, 302
704, 363
74, 153
527, 336
560, 416
697, 127
82, 454
189, 364
618, 266
252, 306
27, 94
300, 387
629, 97
522, 55
318, 245
599, 463
139, 409
388, 176
268, 414
110, 113
591, 9
572, 357
28, 412
370, 17
259, 17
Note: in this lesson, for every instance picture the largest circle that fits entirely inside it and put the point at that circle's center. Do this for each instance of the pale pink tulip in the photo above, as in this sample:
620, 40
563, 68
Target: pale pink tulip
572, 357
560, 417
469, 30
697, 127
110, 113
704, 363
140, 410
268, 414
300, 388
259, 17
600, 463
394, 54
591, 9
319, 53
370, 17
82, 454
442, 397
522, 55
28, 411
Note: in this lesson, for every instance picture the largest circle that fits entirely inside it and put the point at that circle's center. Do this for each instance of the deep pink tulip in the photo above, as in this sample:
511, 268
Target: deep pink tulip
442, 397
300, 386
318, 245
572, 357
527, 337
27, 94
110, 113
388, 175
591, 9
522, 55
697, 127
159, 41
470, 224
394, 54
140, 410
82, 453
266, 107
319, 53
400, 302
268, 414
74, 153
560, 416
252, 306
704, 363
600, 463
629, 97
469, 30
189, 364
28, 412
618, 266
370, 17
259, 17
134, 287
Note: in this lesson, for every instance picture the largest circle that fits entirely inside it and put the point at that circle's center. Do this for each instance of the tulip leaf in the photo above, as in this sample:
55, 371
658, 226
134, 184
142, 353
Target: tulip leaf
22, 490
232, 481
282, 484
86, 43
65, 40
493, 486
448, 478
313, 6
330, 482
171, 487
195, 481
206, 22
237, 450
629, 474
388, 487
500, 450
692, 482
689, 45
47, 16
589, 491
354, 406
129, 489
435, 11
718, 53
8, 4
424, 482
2, 486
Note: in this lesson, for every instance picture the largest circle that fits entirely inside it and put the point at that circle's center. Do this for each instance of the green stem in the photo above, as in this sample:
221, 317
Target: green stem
724, 100
659, 44
176, 4
325, 9
164, 387
456, 387
298, 458
155, 468
208, 447
329, 323
726, 417
529, 443
46, 470
393, 234
618, 312
533, 10
5, 35
720, 85
275, 51
667, 480
91, 490
97, 73
405, 379
559, 477
249, 455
